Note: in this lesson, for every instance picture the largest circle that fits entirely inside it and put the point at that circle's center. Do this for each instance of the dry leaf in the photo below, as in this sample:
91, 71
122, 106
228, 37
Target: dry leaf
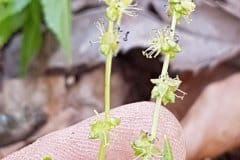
212, 127
231, 6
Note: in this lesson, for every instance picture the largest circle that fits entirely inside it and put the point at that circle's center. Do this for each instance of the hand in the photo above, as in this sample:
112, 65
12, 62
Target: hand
73, 144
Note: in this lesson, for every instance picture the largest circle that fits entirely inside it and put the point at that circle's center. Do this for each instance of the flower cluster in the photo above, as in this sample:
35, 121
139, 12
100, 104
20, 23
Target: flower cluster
181, 8
165, 88
116, 8
100, 129
164, 43
144, 147
109, 39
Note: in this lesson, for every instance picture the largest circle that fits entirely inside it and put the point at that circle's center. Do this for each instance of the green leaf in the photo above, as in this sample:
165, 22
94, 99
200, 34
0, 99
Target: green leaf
167, 150
10, 25
58, 15
13, 7
32, 35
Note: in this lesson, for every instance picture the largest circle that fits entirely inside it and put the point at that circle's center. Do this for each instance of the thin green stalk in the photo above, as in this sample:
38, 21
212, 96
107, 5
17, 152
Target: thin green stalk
165, 65
108, 46
164, 72
108, 69
110, 26
158, 101
156, 119
174, 23
108, 66
102, 150
107, 93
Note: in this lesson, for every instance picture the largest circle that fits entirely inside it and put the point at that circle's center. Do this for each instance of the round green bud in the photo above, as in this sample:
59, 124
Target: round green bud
172, 44
113, 13
108, 43
155, 92
182, 8
178, 7
105, 49
165, 47
169, 97
114, 122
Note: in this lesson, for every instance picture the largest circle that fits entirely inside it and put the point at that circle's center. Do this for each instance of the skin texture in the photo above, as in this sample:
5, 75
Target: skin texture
73, 144
212, 125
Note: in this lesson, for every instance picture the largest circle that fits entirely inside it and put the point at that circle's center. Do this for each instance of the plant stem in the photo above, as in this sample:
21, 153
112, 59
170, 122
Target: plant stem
108, 69
158, 101
165, 65
164, 72
108, 66
110, 26
102, 151
156, 119
107, 93
174, 23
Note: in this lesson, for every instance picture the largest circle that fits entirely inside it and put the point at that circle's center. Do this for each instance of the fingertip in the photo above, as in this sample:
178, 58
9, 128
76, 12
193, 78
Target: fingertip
73, 143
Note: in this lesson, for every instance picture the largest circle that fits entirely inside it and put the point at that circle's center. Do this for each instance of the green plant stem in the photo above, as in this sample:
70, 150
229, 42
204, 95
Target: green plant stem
174, 23
102, 151
165, 65
108, 66
158, 102
107, 93
164, 73
108, 70
156, 119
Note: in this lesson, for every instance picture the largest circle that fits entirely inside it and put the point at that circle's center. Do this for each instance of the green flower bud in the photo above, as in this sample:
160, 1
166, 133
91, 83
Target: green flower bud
163, 43
181, 8
101, 128
108, 43
113, 13
116, 9
144, 147
114, 122
169, 97
165, 88
155, 93
165, 47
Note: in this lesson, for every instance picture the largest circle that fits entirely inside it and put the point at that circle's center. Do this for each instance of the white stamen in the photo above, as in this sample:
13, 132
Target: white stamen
100, 26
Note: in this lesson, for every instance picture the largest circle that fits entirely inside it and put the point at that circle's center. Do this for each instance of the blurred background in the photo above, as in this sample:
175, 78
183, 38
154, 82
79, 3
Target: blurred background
41, 92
